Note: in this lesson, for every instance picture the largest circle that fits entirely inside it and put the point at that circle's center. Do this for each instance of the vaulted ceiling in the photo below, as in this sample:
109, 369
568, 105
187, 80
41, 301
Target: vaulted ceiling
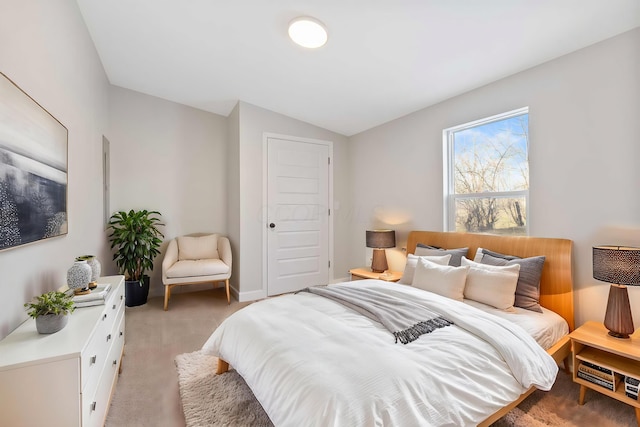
383, 59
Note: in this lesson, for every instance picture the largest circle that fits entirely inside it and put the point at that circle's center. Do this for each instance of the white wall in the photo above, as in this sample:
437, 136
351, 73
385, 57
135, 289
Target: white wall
170, 158
253, 123
584, 174
46, 50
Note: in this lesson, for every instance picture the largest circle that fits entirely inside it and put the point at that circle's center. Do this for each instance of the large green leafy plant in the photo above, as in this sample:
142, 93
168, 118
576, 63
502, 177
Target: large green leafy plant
136, 240
53, 302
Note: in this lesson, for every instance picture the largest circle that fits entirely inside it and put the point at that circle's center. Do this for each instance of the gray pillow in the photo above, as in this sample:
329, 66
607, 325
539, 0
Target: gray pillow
528, 288
456, 254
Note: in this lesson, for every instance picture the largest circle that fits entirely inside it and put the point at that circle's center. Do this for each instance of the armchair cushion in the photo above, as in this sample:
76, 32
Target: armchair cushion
198, 248
196, 268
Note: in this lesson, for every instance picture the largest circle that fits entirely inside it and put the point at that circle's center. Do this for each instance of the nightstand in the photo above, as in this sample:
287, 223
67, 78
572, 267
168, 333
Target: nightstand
366, 273
591, 343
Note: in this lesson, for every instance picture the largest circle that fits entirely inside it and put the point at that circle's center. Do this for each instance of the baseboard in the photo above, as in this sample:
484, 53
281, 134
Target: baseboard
340, 280
250, 296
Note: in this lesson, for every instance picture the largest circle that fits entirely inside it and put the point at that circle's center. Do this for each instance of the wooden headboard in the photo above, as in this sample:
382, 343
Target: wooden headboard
556, 283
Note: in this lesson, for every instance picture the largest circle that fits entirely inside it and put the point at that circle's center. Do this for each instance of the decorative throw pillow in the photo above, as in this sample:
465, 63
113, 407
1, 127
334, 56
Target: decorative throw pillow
528, 289
412, 260
456, 254
201, 247
443, 280
491, 285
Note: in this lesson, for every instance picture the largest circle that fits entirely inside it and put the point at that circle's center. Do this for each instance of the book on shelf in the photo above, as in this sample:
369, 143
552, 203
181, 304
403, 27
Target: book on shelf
595, 380
596, 367
632, 381
97, 296
589, 369
631, 386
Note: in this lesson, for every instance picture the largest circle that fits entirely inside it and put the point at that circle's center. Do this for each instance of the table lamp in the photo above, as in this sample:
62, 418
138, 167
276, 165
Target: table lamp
619, 266
379, 240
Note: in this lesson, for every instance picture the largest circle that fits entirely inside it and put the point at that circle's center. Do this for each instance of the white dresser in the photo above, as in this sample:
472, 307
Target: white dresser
66, 378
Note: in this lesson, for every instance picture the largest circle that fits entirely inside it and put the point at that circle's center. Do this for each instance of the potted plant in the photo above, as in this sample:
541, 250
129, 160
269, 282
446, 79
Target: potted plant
50, 311
136, 240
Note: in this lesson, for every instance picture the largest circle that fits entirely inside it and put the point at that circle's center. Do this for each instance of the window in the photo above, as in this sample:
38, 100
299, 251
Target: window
487, 175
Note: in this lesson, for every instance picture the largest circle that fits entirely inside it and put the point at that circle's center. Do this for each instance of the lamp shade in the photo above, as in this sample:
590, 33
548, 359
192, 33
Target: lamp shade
617, 264
381, 239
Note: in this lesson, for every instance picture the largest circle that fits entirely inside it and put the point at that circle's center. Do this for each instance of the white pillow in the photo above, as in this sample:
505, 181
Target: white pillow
410, 266
492, 285
202, 247
443, 280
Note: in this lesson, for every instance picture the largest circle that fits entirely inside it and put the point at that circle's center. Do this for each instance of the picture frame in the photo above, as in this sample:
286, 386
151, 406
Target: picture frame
33, 169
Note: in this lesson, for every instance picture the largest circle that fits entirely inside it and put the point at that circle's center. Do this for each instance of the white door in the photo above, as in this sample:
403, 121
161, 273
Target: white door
297, 215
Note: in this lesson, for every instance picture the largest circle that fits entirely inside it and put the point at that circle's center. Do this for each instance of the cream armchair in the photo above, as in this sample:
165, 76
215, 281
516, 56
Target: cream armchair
196, 259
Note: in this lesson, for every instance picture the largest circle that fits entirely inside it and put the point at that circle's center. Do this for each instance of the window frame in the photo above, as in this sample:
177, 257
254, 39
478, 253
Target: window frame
449, 199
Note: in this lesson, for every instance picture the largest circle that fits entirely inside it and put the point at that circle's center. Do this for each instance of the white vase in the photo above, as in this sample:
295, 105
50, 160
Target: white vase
79, 276
96, 268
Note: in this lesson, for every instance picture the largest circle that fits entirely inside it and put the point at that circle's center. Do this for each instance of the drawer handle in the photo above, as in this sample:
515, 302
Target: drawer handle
108, 337
115, 362
104, 317
93, 406
121, 296
93, 359
121, 333
114, 306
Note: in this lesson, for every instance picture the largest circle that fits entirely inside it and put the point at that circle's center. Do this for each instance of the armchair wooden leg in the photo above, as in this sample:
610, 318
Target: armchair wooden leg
226, 282
167, 295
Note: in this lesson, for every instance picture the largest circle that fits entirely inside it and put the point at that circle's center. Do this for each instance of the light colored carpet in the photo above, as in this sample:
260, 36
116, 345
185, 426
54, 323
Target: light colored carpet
147, 391
225, 400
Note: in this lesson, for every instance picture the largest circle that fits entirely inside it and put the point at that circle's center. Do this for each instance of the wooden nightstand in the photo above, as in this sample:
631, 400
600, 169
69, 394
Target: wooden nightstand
366, 273
592, 344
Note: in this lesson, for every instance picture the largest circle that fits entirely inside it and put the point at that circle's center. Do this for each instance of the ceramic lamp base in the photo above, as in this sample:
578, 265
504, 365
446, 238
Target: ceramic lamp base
379, 261
618, 319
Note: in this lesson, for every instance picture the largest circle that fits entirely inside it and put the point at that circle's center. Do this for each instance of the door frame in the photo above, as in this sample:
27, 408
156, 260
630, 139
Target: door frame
265, 201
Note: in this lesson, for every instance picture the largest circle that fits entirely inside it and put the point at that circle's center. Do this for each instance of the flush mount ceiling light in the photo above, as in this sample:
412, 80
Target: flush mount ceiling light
308, 32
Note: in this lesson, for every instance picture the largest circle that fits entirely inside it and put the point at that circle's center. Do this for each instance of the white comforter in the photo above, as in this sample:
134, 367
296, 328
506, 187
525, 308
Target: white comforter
312, 362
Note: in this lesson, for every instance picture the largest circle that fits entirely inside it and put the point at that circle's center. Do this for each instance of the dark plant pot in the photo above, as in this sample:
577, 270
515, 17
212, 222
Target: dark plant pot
51, 323
136, 292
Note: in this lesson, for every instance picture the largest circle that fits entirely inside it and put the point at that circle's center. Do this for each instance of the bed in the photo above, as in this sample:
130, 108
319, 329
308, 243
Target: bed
312, 361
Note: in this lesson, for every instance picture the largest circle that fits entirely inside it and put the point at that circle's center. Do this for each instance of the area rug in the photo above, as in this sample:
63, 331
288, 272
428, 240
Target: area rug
225, 400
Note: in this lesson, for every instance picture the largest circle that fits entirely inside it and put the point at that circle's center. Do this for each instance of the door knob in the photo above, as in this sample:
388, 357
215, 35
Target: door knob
272, 225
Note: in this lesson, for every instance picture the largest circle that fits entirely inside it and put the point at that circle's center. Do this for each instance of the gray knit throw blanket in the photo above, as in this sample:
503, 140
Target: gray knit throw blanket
406, 319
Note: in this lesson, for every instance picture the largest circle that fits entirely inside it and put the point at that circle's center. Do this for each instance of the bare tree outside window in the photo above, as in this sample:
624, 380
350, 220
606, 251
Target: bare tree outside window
488, 175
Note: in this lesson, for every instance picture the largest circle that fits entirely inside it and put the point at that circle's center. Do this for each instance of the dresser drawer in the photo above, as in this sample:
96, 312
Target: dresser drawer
94, 355
116, 301
96, 402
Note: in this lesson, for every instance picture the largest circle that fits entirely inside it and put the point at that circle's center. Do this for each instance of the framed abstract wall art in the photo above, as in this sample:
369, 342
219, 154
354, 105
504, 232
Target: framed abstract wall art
33, 170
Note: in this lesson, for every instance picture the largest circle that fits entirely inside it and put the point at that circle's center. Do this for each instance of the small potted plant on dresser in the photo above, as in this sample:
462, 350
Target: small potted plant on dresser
51, 311
136, 240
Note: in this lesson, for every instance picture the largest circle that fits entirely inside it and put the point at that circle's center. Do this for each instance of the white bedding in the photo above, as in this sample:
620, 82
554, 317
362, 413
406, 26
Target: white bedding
546, 328
311, 361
